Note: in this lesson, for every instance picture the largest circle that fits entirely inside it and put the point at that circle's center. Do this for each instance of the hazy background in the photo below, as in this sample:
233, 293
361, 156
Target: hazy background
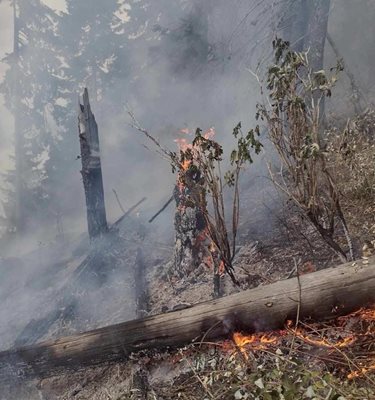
167, 97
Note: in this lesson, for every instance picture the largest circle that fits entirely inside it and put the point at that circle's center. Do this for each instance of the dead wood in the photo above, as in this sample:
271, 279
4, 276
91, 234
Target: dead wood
91, 169
321, 295
131, 209
162, 209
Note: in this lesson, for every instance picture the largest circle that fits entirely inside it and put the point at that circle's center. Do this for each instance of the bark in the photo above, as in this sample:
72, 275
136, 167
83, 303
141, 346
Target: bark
296, 24
317, 32
321, 295
91, 170
190, 228
357, 97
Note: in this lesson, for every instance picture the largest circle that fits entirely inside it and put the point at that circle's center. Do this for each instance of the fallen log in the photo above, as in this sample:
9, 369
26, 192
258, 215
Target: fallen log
320, 295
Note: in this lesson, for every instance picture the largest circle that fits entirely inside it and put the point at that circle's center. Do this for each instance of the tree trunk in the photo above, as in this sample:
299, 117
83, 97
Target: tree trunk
91, 170
317, 32
19, 151
307, 31
190, 227
321, 295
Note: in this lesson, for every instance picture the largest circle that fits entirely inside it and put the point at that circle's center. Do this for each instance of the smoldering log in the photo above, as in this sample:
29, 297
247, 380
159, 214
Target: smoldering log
91, 169
321, 296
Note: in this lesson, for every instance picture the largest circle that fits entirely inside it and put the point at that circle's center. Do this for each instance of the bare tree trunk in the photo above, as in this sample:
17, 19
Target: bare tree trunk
306, 30
19, 214
296, 24
316, 34
315, 41
91, 170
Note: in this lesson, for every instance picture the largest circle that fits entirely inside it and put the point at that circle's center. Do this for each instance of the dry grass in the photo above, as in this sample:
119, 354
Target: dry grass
352, 157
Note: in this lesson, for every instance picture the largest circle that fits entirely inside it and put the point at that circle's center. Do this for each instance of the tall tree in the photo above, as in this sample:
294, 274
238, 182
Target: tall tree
306, 27
27, 87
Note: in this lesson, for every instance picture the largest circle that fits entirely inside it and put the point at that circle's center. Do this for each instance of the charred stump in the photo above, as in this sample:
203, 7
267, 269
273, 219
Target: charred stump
91, 170
190, 223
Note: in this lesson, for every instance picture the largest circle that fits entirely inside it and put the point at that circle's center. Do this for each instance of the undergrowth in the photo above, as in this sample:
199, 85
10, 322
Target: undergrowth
352, 155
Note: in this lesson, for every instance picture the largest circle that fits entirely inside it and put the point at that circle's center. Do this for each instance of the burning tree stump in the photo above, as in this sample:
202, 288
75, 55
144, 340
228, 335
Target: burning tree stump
194, 247
91, 169
190, 223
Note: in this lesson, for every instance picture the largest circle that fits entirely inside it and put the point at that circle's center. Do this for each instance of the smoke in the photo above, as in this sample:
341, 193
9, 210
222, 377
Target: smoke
6, 121
175, 82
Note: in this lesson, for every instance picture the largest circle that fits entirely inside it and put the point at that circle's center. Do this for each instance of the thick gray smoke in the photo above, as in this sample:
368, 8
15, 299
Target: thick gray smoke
169, 86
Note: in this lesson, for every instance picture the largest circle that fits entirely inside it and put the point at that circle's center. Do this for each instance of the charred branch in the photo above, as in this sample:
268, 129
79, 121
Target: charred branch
162, 209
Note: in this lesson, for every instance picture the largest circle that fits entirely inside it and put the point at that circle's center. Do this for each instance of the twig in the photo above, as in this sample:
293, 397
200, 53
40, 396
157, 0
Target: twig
208, 331
118, 201
131, 209
199, 379
298, 306
162, 209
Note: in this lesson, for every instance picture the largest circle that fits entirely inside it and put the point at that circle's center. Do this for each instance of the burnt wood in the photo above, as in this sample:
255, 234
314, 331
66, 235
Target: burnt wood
91, 169
322, 295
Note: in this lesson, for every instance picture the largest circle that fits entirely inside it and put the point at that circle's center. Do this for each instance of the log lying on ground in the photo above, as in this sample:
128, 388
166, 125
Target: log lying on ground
322, 295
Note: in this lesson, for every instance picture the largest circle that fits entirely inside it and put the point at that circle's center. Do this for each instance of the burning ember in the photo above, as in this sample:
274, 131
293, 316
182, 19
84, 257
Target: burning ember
330, 339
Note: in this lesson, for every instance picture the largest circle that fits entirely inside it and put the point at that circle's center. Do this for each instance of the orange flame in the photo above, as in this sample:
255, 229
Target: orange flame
262, 341
209, 134
257, 341
324, 342
361, 372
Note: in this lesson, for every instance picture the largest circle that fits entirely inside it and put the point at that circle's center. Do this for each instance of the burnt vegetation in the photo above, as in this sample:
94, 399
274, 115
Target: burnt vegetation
249, 243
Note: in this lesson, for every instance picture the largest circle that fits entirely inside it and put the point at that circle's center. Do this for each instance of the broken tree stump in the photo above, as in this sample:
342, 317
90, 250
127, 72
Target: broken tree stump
320, 295
91, 169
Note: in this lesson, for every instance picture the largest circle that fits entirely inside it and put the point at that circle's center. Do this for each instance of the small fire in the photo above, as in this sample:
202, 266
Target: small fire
361, 372
209, 134
363, 318
366, 314
257, 341
321, 342
183, 144
185, 165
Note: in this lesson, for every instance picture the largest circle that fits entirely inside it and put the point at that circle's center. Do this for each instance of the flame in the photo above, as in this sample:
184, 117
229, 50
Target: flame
257, 341
366, 314
209, 134
221, 268
183, 144
324, 342
363, 317
361, 372
185, 165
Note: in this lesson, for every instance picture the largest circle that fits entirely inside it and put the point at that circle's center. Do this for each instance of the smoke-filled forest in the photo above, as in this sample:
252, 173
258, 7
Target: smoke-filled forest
187, 199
